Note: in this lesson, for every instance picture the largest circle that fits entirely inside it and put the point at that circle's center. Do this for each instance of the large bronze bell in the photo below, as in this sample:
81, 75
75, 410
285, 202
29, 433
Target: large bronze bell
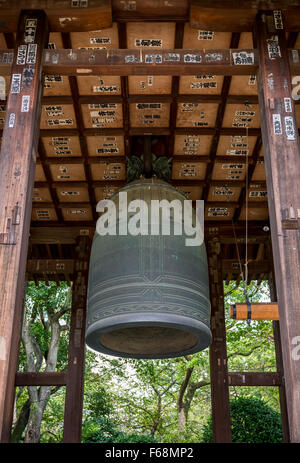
148, 295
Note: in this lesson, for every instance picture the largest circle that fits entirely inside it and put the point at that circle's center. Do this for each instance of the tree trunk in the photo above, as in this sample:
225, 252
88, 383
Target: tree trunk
21, 423
34, 424
38, 397
36, 415
181, 419
157, 418
181, 401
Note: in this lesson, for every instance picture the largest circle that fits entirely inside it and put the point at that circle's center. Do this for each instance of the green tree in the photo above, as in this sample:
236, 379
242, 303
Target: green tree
107, 431
166, 400
44, 348
252, 421
171, 398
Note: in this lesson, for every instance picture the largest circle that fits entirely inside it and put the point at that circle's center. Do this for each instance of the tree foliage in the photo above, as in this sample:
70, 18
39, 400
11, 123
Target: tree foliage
252, 421
128, 400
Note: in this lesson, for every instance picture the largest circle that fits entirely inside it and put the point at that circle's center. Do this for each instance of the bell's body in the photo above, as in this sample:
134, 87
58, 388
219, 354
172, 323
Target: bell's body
148, 295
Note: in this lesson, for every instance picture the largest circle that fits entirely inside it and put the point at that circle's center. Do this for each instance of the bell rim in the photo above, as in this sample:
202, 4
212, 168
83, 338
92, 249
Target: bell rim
148, 319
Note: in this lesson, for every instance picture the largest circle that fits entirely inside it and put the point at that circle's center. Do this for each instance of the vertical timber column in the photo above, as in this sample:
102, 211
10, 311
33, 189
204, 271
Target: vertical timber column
218, 351
279, 365
75, 373
17, 165
282, 163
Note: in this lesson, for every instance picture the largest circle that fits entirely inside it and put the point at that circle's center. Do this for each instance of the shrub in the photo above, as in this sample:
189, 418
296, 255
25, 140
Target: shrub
105, 430
252, 421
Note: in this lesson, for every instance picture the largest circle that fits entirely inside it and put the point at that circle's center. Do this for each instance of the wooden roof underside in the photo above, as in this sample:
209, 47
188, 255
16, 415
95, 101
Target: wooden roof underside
208, 124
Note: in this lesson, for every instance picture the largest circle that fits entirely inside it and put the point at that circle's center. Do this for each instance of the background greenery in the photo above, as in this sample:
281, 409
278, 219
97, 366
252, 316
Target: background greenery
147, 400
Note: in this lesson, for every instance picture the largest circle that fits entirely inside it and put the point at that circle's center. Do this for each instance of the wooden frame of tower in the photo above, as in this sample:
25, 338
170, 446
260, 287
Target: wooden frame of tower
86, 82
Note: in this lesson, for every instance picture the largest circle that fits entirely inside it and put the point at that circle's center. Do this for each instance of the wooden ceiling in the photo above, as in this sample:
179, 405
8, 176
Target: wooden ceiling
208, 124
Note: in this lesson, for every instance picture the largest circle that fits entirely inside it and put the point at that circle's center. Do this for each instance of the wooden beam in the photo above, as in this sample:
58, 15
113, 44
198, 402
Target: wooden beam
153, 10
218, 351
28, 378
282, 163
47, 172
63, 16
218, 124
75, 374
222, 231
124, 62
56, 234
254, 378
125, 93
232, 266
238, 16
142, 62
244, 5
255, 311
279, 363
80, 124
120, 183
59, 235
251, 168
50, 266
179, 32
17, 164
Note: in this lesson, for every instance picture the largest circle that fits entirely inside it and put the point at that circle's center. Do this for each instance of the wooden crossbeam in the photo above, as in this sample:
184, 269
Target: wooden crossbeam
232, 266
247, 378
140, 62
254, 378
149, 98
63, 16
51, 266
261, 205
183, 158
42, 378
81, 15
59, 235
55, 234
120, 183
149, 131
126, 62
235, 378
237, 15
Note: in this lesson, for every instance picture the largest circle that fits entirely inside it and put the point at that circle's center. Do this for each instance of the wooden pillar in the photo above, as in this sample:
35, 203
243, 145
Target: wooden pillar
75, 372
17, 165
218, 351
282, 163
279, 367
